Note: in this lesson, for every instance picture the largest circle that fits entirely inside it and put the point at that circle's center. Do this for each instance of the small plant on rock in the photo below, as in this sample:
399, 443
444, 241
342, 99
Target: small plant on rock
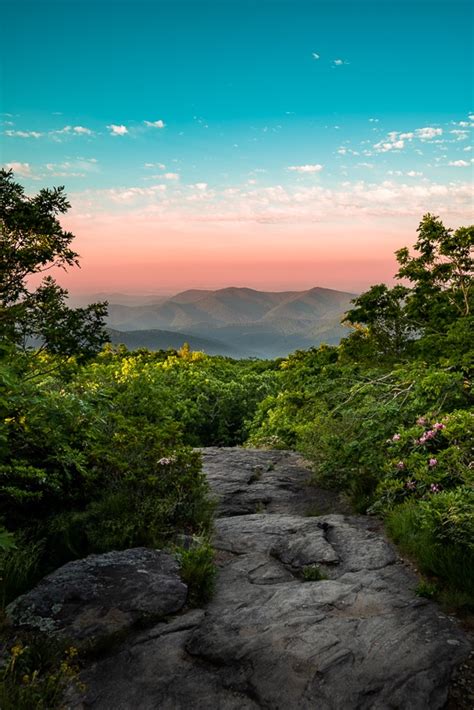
312, 573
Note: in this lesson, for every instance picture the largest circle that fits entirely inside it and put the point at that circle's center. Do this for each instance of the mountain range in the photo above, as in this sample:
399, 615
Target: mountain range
238, 322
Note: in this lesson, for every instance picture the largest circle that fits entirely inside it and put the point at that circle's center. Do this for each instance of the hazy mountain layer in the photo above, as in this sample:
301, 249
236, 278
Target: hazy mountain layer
235, 321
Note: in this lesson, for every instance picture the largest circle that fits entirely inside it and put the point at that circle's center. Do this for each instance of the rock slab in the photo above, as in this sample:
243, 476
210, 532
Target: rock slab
358, 638
101, 597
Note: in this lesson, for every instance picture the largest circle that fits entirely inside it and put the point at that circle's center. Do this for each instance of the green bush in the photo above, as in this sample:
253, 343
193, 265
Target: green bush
198, 571
438, 533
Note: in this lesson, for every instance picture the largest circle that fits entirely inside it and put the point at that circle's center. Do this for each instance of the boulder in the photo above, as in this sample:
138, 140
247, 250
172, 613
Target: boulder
91, 602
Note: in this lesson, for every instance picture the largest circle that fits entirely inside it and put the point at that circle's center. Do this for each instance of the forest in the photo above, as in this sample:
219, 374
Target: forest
99, 446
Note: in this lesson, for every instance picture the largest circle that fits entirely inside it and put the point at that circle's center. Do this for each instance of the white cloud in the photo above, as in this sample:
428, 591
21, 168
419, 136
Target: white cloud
458, 163
373, 120
344, 151
468, 148
125, 195
161, 166
471, 117
21, 169
155, 124
306, 168
384, 147
428, 133
338, 62
316, 55
171, 176
306, 203
413, 173
79, 167
82, 130
396, 140
200, 186
461, 135
23, 134
117, 130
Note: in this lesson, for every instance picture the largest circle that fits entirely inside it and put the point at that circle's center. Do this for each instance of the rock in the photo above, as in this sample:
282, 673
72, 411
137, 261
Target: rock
360, 639
100, 598
251, 480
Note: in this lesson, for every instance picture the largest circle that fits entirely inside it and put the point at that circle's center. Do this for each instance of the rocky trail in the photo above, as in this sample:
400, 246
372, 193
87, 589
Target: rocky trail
358, 638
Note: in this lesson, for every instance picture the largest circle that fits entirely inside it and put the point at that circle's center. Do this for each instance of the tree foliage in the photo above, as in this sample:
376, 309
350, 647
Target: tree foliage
32, 241
431, 307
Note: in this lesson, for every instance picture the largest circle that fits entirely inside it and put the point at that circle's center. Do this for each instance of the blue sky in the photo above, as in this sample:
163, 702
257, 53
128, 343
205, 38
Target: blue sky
230, 111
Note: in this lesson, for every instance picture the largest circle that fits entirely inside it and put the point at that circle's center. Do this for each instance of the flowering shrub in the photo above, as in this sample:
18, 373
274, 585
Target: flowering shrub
423, 460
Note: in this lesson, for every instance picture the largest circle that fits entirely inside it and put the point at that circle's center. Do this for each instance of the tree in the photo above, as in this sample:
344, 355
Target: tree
32, 241
441, 273
432, 313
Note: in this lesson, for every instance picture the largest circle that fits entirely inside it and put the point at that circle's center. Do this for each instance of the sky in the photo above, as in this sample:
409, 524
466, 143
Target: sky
261, 143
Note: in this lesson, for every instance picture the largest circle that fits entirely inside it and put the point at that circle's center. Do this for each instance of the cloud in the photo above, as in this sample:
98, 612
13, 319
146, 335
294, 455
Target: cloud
461, 134
373, 120
427, 133
413, 173
297, 204
161, 166
117, 130
396, 140
306, 168
23, 134
200, 186
73, 168
384, 147
82, 130
155, 124
338, 62
127, 194
344, 151
21, 169
459, 163
171, 176
315, 55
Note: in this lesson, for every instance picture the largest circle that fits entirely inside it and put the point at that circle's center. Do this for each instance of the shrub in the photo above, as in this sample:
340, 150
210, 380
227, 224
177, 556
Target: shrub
198, 571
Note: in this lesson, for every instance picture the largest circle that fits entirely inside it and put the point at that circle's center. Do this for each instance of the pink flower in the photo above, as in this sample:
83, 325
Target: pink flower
422, 421
396, 437
435, 488
433, 462
411, 485
438, 426
400, 465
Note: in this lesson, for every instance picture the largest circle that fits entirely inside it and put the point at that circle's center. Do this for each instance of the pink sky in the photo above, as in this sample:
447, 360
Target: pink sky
175, 256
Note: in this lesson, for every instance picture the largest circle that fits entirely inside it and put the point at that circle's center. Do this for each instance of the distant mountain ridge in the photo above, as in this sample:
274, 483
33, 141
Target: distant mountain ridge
255, 323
